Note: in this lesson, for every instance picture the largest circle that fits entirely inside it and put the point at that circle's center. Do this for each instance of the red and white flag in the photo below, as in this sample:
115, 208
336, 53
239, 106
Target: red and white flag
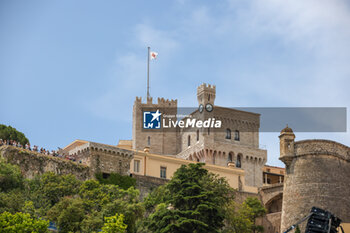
153, 55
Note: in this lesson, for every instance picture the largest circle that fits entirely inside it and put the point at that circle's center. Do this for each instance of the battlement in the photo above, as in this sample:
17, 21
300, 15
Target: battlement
206, 94
138, 100
161, 102
167, 102
206, 87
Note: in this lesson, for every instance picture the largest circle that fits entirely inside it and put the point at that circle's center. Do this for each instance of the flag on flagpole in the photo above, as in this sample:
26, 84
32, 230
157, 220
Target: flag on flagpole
153, 55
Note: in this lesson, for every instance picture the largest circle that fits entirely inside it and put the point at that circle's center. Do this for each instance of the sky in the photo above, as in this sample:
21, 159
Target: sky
72, 69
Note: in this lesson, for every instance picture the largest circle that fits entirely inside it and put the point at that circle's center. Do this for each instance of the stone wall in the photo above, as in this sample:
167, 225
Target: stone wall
33, 163
103, 158
317, 174
147, 184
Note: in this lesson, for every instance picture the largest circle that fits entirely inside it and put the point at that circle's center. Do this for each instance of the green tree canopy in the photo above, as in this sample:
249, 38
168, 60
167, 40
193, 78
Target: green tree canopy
195, 204
110, 199
20, 222
68, 214
9, 133
242, 218
123, 182
114, 224
256, 210
10, 177
50, 187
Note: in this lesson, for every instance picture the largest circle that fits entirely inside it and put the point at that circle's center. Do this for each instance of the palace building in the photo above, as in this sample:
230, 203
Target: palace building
232, 151
189, 136
235, 144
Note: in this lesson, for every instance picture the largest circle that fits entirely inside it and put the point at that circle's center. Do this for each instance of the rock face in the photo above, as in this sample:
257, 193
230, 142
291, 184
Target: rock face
33, 163
317, 174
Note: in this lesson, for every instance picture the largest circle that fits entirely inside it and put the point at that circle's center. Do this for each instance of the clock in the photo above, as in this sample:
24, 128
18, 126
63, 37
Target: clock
209, 107
201, 108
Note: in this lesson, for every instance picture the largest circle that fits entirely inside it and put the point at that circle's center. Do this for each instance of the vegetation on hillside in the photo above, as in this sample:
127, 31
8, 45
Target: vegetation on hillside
194, 200
9, 133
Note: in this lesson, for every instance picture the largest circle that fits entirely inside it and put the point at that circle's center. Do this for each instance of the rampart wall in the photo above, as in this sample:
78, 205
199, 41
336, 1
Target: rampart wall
317, 174
33, 163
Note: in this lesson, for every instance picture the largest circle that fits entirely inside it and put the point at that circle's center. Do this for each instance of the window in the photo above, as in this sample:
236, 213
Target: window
228, 134
230, 156
238, 162
237, 135
197, 135
149, 141
136, 165
189, 140
163, 172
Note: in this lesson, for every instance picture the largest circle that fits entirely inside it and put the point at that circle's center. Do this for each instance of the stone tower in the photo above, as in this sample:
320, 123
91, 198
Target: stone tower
206, 94
235, 143
159, 141
317, 174
287, 145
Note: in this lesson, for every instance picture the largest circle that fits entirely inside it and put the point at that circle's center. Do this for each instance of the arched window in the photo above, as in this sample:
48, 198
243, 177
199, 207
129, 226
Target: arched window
230, 157
228, 134
197, 135
237, 135
189, 140
149, 141
238, 162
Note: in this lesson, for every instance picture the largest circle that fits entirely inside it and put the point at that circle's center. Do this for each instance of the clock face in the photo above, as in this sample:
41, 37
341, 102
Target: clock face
201, 107
209, 107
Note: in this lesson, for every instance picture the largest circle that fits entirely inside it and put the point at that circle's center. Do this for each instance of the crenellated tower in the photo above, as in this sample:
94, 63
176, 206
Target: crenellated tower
206, 94
158, 141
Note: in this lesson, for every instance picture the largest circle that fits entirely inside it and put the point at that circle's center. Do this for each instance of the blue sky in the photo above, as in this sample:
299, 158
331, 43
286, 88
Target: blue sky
71, 69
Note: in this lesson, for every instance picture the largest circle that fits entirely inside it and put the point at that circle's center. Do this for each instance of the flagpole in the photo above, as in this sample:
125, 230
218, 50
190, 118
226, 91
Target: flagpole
149, 50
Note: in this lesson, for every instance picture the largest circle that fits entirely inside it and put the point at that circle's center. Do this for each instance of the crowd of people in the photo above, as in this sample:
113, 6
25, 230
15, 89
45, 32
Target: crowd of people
35, 148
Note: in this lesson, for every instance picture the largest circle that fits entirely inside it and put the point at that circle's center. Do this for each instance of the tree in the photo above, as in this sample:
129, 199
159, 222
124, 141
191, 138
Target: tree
159, 195
92, 222
10, 177
20, 222
196, 202
127, 204
49, 188
297, 230
237, 219
110, 200
68, 214
114, 224
242, 218
9, 133
256, 210
123, 182
12, 201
